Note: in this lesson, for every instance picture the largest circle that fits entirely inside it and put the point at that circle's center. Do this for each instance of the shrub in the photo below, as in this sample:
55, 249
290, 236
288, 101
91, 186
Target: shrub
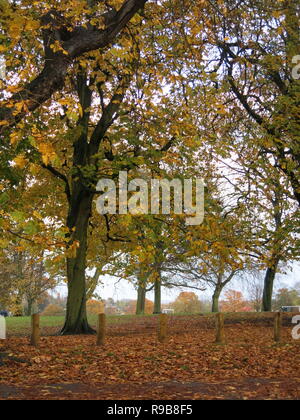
53, 310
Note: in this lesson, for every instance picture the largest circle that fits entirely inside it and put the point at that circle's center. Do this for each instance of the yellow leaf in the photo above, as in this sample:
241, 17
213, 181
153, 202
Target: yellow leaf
47, 152
20, 161
37, 215
14, 137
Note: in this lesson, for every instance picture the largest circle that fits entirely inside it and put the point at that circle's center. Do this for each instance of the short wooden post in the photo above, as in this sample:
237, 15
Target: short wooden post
163, 328
101, 330
35, 330
277, 327
220, 332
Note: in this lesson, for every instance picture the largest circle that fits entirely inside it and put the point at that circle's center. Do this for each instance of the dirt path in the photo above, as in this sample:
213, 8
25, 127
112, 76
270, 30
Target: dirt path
250, 388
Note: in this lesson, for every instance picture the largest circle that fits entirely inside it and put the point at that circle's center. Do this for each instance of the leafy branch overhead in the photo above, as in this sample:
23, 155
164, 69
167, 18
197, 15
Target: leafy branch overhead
63, 43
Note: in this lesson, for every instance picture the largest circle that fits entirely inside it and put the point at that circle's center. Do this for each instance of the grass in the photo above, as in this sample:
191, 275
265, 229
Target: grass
19, 325
22, 325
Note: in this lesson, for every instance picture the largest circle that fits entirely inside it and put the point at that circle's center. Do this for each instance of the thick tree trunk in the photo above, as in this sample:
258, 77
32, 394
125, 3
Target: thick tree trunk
157, 297
215, 300
79, 215
141, 300
268, 287
80, 197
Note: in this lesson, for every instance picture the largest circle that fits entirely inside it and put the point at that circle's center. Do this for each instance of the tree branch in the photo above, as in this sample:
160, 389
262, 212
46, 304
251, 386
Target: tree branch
60, 176
52, 77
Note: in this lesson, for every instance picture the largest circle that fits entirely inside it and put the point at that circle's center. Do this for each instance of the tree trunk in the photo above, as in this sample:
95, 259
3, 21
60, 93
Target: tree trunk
80, 210
157, 297
29, 307
268, 287
78, 220
141, 300
80, 197
215, 300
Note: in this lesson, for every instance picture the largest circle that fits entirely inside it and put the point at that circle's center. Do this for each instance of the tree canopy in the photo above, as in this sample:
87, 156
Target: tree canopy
170, 89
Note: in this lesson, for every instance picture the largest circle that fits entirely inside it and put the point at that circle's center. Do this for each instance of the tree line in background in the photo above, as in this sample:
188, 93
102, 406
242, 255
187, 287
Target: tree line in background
171, 89
49, 304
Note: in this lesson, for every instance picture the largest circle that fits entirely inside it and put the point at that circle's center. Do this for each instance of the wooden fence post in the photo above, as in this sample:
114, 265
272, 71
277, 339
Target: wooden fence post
277, 327
101, 330
220, 332
35, 330
163, 327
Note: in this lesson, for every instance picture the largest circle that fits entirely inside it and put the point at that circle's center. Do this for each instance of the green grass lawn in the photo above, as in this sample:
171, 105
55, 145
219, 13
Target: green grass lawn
52, 324
19, 325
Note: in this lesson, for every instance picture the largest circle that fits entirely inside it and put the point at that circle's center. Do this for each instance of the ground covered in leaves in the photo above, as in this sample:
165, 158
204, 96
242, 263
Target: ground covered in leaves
135, 366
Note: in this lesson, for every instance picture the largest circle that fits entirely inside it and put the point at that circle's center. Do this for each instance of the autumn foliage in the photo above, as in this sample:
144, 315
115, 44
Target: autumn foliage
159, 90
95, 307
53, 310
187, 303
234, 302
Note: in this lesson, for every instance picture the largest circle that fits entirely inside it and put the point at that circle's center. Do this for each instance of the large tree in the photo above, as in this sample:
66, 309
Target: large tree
65, 35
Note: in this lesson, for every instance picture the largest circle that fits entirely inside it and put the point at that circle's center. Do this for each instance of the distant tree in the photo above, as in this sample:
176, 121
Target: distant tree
187, 303
255, 289
24, 279
149, 306
235, 302
94, 307
286, 297
58, 300
53, 310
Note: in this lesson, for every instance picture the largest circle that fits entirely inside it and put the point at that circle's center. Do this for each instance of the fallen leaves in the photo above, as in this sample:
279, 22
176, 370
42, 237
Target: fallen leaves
187, 357
259, 359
